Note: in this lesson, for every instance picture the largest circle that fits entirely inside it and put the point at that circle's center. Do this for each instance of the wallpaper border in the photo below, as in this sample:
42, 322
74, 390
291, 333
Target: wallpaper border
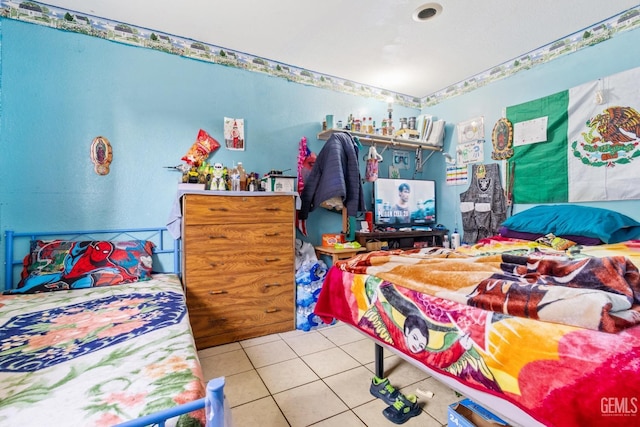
69, 20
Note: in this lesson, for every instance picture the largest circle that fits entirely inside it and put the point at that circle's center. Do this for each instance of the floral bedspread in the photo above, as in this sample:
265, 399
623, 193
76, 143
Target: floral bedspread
97, 356
561, 375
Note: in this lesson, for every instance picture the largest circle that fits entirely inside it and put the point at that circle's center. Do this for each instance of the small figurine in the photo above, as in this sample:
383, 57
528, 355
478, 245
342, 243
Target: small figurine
217, 181
192, 175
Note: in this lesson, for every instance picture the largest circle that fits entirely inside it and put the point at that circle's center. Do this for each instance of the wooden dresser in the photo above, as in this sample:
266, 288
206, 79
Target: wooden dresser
238, 265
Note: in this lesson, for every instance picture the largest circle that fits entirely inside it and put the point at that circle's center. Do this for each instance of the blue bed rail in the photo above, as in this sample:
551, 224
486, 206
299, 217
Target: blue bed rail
156, 234
213, 403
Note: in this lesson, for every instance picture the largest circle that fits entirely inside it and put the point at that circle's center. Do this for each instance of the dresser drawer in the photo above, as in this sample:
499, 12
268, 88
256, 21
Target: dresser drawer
214, 290
211, 251
244, 237
203, 209
212, 336
234, 314
236, 262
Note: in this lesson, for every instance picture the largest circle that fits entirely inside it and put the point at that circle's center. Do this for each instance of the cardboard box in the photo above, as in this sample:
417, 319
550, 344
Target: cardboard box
332, 239
467, 413
279, 183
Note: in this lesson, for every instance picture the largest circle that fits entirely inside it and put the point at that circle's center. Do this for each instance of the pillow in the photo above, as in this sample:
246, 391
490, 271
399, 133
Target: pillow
575, 220
59, 264
580, 240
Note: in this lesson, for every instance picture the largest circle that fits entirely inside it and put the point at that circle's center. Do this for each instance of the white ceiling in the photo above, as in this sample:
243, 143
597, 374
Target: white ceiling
373, 42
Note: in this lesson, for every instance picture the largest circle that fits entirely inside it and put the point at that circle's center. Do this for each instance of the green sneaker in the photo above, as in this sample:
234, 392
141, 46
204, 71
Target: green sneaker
402, 409
382, 389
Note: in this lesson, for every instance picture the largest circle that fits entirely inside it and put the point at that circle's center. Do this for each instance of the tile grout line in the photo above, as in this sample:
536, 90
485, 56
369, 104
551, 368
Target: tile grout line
300, 357
323, 379
265, 386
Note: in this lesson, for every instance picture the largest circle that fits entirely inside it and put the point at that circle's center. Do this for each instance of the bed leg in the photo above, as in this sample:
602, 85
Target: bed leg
379, 362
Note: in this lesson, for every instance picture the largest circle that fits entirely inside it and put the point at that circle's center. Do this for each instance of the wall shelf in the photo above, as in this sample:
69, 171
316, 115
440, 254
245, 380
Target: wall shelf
367, 138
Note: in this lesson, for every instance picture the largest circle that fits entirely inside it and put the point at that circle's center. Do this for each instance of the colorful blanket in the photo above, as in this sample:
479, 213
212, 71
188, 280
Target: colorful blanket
560, 374
97, 356
546, 286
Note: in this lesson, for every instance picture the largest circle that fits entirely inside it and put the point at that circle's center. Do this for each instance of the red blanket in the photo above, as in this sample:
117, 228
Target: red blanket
589, 292
561, 375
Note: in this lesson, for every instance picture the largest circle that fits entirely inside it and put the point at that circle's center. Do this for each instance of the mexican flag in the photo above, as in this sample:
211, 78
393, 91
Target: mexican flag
592, 146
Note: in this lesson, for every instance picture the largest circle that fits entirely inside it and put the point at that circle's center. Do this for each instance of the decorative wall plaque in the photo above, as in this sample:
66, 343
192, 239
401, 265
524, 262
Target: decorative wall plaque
502, 139
101, 155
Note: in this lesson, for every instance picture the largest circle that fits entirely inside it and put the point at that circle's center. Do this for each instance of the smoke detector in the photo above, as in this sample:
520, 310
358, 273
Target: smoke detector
427, 12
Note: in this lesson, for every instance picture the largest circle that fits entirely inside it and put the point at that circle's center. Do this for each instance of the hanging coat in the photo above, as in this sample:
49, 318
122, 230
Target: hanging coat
335, 174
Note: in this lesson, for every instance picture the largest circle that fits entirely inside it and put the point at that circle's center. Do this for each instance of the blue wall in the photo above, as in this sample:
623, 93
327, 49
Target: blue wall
59, 90
586, 65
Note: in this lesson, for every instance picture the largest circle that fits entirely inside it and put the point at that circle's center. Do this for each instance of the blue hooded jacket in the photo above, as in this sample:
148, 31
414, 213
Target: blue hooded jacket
336, 173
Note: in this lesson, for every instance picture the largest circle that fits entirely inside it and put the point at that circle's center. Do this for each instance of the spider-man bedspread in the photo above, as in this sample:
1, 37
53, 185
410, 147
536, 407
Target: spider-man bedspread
556, 336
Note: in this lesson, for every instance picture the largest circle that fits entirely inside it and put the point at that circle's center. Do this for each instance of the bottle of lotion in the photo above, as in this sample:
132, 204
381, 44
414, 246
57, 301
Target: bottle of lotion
455, 239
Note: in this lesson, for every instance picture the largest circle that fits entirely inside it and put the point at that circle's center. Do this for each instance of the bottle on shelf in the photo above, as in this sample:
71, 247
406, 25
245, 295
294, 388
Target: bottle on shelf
243, 176
252, 185
412, 123
235, 179
455, 239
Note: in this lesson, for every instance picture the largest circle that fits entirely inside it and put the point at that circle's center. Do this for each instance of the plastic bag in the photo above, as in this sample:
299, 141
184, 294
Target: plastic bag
305, 253
201, 148
309, 279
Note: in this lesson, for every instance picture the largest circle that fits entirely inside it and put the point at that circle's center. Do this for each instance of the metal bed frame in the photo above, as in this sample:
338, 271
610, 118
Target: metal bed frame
213, 402
156, 234
503, 409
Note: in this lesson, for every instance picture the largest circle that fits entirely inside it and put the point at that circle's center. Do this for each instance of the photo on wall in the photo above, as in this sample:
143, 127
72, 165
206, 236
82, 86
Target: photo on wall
234, 134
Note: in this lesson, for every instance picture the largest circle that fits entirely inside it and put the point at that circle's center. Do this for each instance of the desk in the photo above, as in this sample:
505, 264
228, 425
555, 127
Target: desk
337, 254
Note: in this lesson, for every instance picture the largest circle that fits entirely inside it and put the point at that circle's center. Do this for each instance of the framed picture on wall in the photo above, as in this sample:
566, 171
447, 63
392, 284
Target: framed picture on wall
471, 130
234, 134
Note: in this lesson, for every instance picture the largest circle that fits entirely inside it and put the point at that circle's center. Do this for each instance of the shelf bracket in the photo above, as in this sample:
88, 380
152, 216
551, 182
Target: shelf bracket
419, 162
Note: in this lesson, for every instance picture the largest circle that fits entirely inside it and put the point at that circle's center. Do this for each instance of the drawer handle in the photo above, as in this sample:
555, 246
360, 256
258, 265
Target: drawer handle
217, 236
218, 209
268, 285
218, 292
272, 259
272, 234
271, 209
215, 264
217, 321
271, 310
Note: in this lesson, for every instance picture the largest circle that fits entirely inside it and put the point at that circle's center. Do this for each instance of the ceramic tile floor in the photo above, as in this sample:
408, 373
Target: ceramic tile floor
319, 378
